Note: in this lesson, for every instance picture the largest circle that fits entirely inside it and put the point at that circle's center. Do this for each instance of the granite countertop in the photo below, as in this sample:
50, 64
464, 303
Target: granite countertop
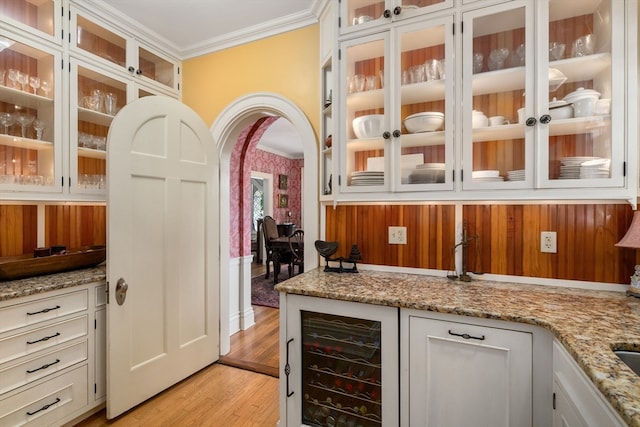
588, 323
51, 282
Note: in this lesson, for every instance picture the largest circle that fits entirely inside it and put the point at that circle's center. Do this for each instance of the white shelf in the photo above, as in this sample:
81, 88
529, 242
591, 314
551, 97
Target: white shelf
365, 144
24, 99
86, 115
28, 143
90, 152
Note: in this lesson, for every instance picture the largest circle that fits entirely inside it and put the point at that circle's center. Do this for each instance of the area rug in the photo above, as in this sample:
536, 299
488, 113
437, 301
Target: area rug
262, 292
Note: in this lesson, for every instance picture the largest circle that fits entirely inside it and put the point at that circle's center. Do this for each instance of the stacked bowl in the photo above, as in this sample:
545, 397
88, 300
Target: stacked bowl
424, 122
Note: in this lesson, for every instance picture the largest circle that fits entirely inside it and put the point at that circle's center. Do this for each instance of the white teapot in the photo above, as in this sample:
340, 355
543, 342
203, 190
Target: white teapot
479, 119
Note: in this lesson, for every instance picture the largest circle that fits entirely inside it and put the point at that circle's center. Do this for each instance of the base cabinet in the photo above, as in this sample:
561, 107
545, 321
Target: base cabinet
576, 401
51, 356
462, 374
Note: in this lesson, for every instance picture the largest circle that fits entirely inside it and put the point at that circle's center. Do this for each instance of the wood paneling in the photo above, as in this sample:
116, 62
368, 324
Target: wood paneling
18, 229
509, 238
430, 234
75, 226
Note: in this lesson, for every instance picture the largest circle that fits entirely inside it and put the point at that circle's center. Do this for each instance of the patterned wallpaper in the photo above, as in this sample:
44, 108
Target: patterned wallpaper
259, 161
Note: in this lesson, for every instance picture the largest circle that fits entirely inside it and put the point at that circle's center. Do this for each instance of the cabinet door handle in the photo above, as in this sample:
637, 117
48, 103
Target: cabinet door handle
138, 71
531, 121
45, 407
131, 69
397, 133
466, 336
45, 338
386, 134
397, 10
46, 310
545, 118
287, 369
387, 13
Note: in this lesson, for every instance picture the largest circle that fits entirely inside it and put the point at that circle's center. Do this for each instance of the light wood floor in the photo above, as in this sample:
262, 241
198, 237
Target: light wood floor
241, 390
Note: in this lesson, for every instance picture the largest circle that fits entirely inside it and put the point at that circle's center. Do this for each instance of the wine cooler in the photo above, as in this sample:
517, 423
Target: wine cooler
347, 364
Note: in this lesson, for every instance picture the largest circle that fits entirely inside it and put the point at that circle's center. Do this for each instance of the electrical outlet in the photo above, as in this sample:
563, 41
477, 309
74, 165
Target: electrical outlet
397, 235
548, 242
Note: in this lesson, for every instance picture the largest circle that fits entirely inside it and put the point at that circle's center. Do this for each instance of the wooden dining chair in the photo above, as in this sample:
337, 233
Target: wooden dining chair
270, 231
296, 245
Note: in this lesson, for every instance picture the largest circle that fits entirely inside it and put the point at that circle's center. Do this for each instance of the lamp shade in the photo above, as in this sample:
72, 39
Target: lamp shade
632, 238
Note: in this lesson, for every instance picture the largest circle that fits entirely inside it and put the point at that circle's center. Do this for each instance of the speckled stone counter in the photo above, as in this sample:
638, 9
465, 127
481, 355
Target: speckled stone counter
588, 323
40, 284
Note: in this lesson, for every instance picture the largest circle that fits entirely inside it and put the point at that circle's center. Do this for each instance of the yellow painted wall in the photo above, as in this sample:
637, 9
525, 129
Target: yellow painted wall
287, 64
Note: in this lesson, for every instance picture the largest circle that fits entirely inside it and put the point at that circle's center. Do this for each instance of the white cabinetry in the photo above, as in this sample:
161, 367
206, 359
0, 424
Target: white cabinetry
67, 71
531, 153
339, 363
577, 402
47, 359
461, 373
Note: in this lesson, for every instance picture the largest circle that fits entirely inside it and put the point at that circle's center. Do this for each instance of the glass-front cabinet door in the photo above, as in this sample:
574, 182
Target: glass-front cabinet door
42, 17
365, 131
343, 368
96, 96
30, 117
498, 97
422, 156
583, 143
360, 14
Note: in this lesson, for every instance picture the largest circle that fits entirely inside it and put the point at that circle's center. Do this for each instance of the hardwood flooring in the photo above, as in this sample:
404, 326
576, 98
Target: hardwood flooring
240, 390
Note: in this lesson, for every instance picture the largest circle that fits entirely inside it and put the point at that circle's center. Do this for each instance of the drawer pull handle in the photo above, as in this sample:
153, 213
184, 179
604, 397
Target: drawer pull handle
287, 369
45, 338
466, 336
46, 310
45, 407
31, 371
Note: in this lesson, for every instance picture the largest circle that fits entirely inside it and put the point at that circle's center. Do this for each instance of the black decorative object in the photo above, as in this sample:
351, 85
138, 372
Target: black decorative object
327, 249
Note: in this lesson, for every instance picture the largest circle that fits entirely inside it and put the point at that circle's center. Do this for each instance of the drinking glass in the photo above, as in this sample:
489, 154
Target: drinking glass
23, 79
7, 120
34, 82
45, 87
497, 57
111, 103
39, 126
12, 75
24, 120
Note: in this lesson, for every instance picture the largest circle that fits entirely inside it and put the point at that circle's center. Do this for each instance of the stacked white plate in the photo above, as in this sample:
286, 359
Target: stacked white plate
367, 178
517, 175
427, 173
486, 176
584, 167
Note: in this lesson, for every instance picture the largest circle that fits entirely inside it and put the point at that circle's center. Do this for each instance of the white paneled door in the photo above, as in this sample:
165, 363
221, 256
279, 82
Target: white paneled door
162, 250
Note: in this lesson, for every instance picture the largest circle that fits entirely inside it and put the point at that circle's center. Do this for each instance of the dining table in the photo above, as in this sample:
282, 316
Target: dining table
280, 247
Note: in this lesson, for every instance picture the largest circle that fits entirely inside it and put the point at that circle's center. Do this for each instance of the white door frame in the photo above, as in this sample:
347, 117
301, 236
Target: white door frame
225, 130
268, 199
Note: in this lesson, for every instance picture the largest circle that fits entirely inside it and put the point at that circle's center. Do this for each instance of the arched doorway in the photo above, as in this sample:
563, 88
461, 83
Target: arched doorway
235, 274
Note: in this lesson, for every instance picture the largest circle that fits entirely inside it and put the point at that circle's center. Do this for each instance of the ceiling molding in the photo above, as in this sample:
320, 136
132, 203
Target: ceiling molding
250, 34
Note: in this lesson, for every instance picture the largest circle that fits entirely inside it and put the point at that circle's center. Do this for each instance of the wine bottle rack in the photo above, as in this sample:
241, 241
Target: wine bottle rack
342, 371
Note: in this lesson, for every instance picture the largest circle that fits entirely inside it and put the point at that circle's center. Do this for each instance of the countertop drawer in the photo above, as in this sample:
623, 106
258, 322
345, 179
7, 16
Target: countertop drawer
46, 403
34, 340
34, 312
27, 371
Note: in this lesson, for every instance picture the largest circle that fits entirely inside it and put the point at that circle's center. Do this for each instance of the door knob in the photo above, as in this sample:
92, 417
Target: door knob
387, 13
545, 118
121, 291
397, 133
397, 10
386, 134
531, 121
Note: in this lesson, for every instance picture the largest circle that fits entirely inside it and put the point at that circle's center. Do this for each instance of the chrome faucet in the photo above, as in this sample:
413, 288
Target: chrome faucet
466, 239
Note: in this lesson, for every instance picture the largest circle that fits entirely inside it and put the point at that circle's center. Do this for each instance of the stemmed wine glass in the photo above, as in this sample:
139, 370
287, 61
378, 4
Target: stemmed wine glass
23, 79
39, 126
34, 82
7, 120
24, 120
46, 88
12, 75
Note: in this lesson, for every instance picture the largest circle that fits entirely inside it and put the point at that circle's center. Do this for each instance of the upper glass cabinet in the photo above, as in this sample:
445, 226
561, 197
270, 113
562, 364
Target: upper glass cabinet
37, 16
123, 51
359, 14
29, 117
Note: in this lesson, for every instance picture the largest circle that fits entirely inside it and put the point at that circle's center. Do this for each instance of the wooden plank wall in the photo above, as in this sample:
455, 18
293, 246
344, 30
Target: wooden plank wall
75, 226
431, 230
71, 225
18, 229
509, 240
